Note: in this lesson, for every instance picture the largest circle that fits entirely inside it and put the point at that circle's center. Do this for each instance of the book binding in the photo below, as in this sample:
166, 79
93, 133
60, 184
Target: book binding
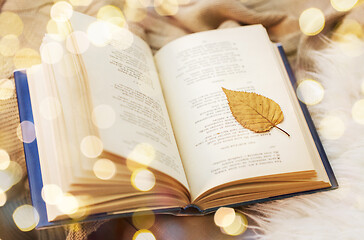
35, 175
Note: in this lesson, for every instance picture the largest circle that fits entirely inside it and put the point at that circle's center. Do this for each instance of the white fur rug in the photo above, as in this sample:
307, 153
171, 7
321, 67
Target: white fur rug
337, 214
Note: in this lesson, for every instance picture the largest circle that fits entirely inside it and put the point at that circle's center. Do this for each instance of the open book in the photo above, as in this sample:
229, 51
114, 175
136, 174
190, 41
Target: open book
119, 130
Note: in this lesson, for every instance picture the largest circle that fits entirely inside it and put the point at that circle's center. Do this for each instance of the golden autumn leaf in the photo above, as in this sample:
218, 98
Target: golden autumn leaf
254, 111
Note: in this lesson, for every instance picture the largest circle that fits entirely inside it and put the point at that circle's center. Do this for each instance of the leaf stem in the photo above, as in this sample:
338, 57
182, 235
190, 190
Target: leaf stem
282, 130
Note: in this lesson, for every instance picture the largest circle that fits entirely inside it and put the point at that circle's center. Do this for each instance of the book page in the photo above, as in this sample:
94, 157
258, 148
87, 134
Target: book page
215, 149
124, 86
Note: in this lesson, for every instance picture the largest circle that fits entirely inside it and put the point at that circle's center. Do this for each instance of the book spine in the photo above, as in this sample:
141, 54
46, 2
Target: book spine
309, 121
30, 149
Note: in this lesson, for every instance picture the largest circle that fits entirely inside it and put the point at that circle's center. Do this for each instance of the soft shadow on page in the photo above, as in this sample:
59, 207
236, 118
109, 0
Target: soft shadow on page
123, 76
214, 148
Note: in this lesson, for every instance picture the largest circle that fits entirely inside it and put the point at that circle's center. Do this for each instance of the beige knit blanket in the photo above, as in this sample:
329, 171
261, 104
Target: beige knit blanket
280, 17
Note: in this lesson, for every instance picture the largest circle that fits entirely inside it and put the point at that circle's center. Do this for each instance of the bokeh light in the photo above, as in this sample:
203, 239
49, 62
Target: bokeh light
7, 89
10, 23
237, 227
112, 15
143, 153
26, 57
349, 35
331, 127
224, 216
134, 14
26, 132
3, 198
51, 53
15, 172
310, 92
346, 28
52, 194
61, 11
77, 42
91, 146
26, 218
82, 211
166, 7
4, 159
99, 33
312, 21
58, 30
358, 111
82, 3
352, 46
343, 5
9, 44
144, 234
143, 219
142, 179
104, 169
50, 108
103, 116
122, 38
68, 204
6, 180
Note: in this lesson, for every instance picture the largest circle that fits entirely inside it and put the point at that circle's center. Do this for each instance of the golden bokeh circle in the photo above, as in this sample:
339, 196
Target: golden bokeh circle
99, 33
7, 89
343, 5
58, 30
134, 14
104, 169
331, 127
10, 23
144, 219
68, 204
112, 14
10, 176
144, 234
26, 217
61, 11
312, 21
4, 159
3, 198
103, 116
352, 46
142, 154
166, 7
51, 194
6, 180
91, 146
310, 92
143, 180
237, 227
26, 57
9, 44
347, 28
224, 216
122, 38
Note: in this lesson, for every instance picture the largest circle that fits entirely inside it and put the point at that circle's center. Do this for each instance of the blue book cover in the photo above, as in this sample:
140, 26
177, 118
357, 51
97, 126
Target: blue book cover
35, 176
